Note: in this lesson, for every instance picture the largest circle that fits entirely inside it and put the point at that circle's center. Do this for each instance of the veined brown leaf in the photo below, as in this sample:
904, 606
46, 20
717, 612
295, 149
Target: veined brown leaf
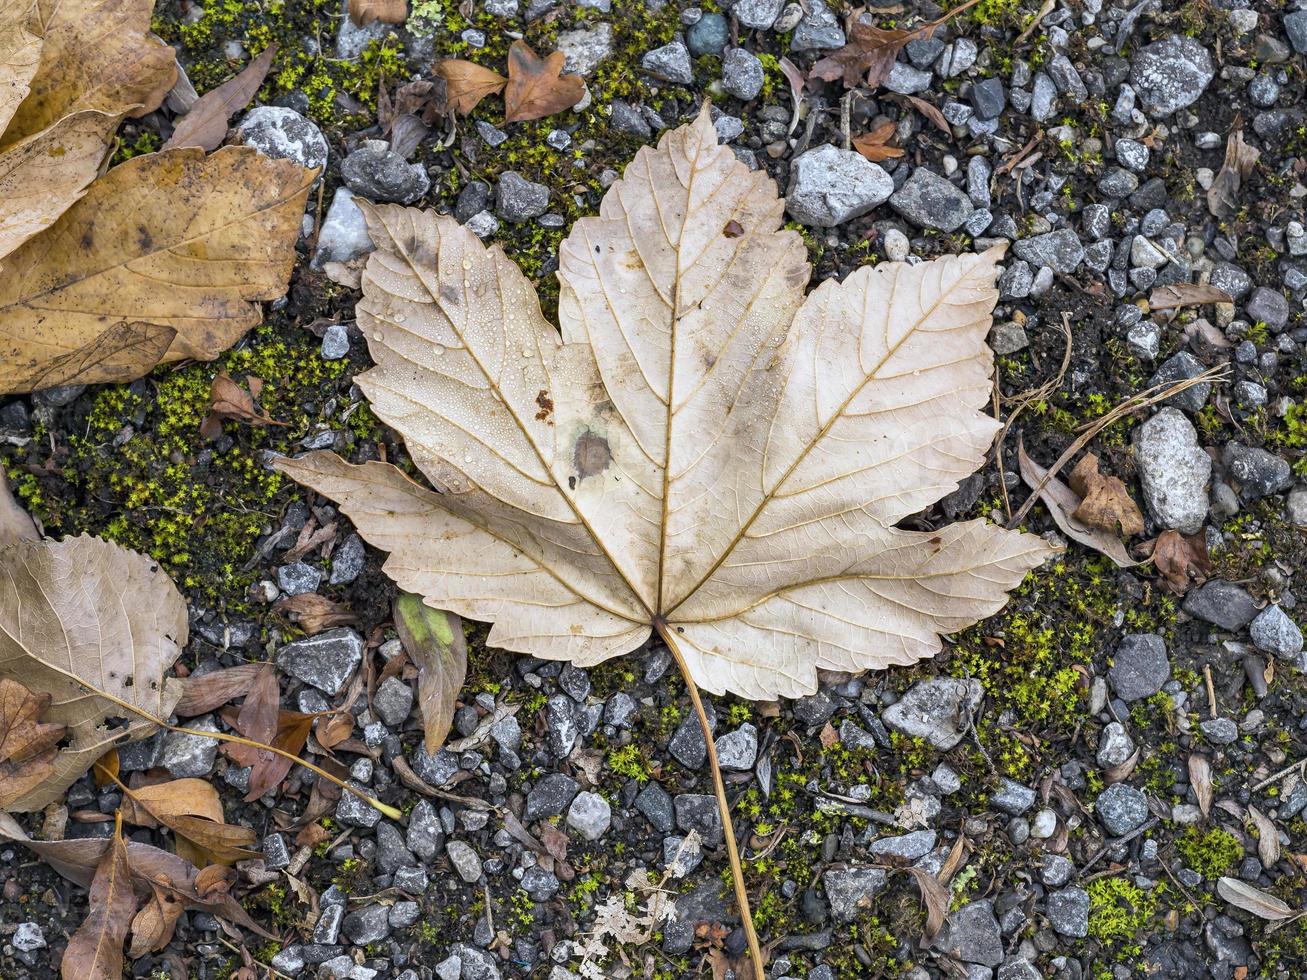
203, 693
192, 810
1240, 158
27, 745
97, 627
364, 12
95, 951
467, 83
205, 124
313, 612
875, 145
1182, 560
1105, 504
177, 239
1177, 295
434, 641
536, 87
871, 51
1063, 503
20, 54
704, 452
154, 924
119, 352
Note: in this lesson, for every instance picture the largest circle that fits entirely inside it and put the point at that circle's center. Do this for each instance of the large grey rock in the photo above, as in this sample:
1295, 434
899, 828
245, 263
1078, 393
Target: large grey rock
742, 74
1174, 471
1068, 912
937, 710
477, 964
370, 924
377, 172
929, 201
852, 890
829, 186
1012, 797
1120, 809
344, 232
1140, 667
325, 661
518, 199
190, 756
1181, 366
908, 847
1221, 603
1255, 472
584, 50
972, 935
283, 134
589, 815
1274, 632
1060, 250
1171, 74
671, 63
757, 15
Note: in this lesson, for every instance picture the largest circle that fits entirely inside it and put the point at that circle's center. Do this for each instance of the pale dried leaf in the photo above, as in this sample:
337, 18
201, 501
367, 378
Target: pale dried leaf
15, 523
1262, 904
95, 950
434, 642
1268, 838
192, 810
20, 54
1178, 295
537, 87
935, 897
124, 350
205, 125
364, 12
1062, 503
202, 693
177, 239
313, 612
97, 54
1240, 158
754, 520
1200, 778
92, 624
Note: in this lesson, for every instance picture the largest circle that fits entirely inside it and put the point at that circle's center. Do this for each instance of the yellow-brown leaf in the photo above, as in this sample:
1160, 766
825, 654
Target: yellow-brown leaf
95, 951
27, 745
537, 88
466, 84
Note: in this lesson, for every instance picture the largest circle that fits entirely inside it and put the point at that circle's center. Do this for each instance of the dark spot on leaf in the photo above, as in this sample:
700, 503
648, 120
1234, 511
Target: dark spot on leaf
88, 238
571, 483
129, 681
449, 294
144, 238
733, 229
546, 406
591, 455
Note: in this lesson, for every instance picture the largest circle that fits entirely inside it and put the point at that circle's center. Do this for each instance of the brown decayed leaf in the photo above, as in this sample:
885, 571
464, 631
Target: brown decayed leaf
228, 400
1178, 295
41, 176
1105, 503
154, 924
871, 51
95, 950
1182, 560
119, 352
1240, 158
335, 727
364, 12
313, 612
434, 641
932, 113
97, 54
935, 897
260, 718
581, 502
1262, 904
205, 125
466, 83
537, 88
202, 693
1062, 503
92, 624
27, 745
1200, 778
192, 810
875, 145
177, 239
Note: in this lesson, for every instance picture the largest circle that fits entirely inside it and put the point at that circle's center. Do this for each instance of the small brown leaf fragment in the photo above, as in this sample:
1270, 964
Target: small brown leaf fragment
871, 51
205, 125
434, 641
828, 736
1268, 837
1062, 503
1200, 778
228, 400
537, 88
1182, 560
28, 746
154, 924
95, 951
875, 145
932, 113
935, 897
1253, 900
1178, 295
364, 12
466, 83
313, 612
202, 693
1240, 158
1105, 503
733, 229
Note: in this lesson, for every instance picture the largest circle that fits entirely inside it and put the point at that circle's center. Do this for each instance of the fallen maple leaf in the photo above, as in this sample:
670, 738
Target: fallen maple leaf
27, 745
178, 239
95, 950
364, 12
537, 88
579, 514
871, 51
467, 83
875, 145
1105, 503
434, 641
1182, 560
95, 626
205, 125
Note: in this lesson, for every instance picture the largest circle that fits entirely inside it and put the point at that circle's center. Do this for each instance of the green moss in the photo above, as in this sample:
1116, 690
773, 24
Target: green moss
1211, 854
1119, 912
631, 762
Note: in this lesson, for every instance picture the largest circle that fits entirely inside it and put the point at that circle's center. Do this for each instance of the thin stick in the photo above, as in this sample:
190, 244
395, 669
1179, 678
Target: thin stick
719, 787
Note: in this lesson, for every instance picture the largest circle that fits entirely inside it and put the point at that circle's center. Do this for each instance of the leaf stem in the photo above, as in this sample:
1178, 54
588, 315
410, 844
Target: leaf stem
719, 787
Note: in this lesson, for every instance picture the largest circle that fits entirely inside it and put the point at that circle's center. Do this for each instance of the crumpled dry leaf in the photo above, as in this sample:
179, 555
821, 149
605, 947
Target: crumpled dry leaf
1182, 560
96, 54
871, 50
192, 810
203, 692
1200, 778
466, 83
434, 641
752, 524
95, 950
1240, 158
94, 625
260, 718
27, 745
935, 897
1262, 904
313, 612
205, 125
1105, 503
1268, 838
1062, 503
228, 400
536, 87
875, 144
177, 239
364, 12
154, 924
1178, 295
